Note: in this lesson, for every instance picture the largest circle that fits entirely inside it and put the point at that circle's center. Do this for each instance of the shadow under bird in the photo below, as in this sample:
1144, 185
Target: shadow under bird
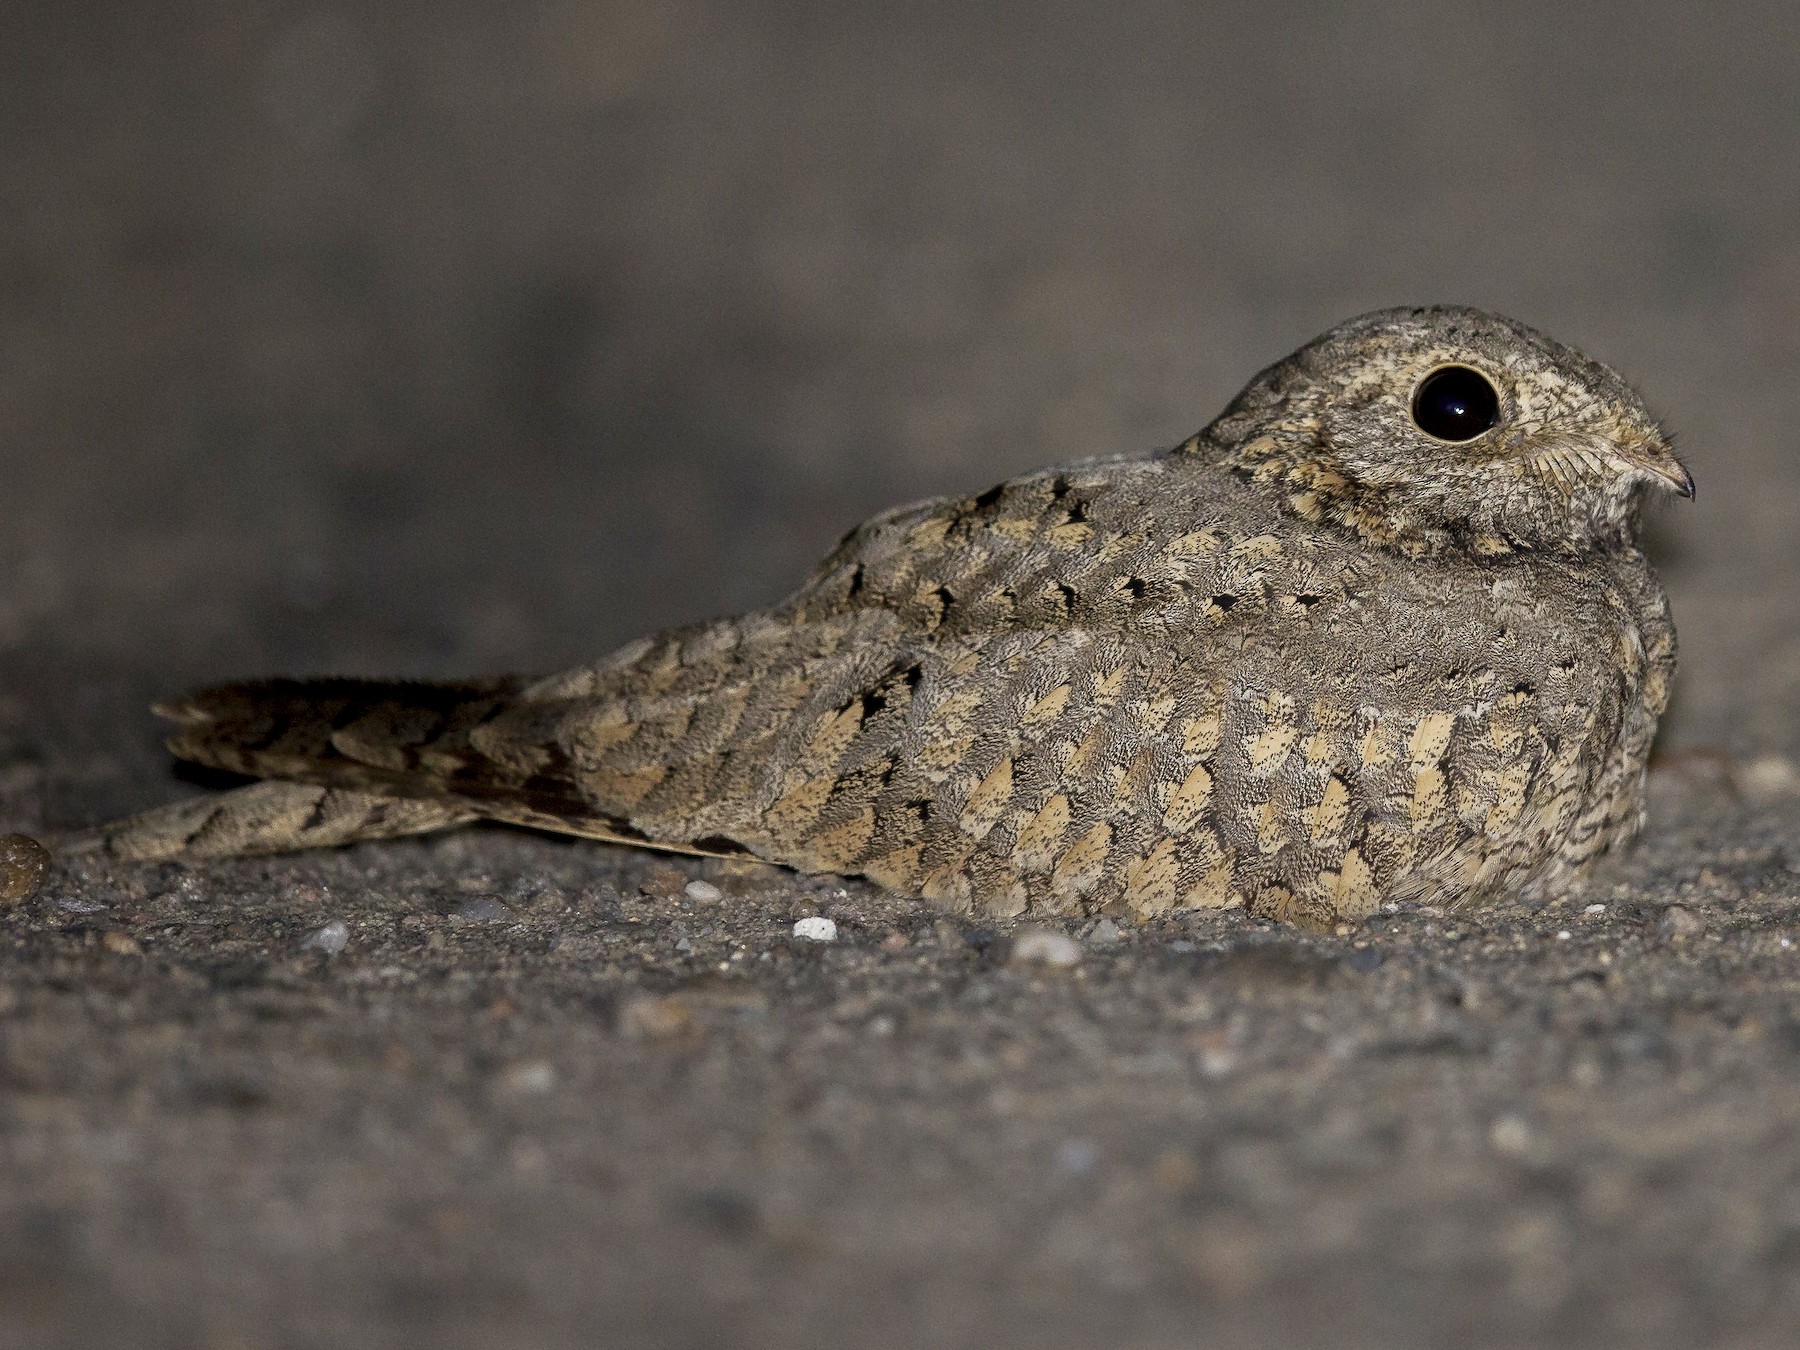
1381, 631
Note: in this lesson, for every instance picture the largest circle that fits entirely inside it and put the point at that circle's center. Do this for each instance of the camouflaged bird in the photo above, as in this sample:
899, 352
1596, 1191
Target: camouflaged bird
1380, 632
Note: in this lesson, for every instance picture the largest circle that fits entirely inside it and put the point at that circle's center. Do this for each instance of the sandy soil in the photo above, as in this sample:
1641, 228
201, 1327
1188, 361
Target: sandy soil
459, 338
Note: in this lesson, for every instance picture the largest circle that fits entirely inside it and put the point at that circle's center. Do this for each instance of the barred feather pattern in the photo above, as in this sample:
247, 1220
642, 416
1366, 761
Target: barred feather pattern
1202, 678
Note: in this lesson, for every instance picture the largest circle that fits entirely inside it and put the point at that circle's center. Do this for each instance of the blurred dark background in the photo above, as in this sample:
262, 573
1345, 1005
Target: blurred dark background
456, 337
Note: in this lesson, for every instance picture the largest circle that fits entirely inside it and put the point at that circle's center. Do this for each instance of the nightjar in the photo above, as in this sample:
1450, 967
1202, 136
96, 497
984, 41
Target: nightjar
1382, 631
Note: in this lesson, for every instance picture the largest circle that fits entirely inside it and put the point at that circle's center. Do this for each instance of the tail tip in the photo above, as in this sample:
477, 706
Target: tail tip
184, 712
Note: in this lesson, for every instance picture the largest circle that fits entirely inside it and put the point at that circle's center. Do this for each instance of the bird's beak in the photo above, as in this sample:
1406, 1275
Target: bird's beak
1658, 460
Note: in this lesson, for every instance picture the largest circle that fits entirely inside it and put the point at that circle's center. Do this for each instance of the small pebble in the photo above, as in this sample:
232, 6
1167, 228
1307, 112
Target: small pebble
1216, 1055
816, 928
1594, 909
331, 939
23, 864
703, 892
120, 944
1105, 933
1511, 1136
668, 1018
481, 909
663, 882
895, 942
1563, 935
1771, 776
1682, 921
1045, 947
535, 892
80, 904
530, 1079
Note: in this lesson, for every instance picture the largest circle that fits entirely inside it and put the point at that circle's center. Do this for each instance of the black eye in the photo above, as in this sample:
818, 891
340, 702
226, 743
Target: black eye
1455, 404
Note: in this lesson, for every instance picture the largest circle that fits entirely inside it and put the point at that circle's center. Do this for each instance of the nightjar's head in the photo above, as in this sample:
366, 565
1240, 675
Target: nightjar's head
1447, 427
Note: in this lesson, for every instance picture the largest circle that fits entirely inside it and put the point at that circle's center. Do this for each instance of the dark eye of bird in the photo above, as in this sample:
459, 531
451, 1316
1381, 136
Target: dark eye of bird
1455, 404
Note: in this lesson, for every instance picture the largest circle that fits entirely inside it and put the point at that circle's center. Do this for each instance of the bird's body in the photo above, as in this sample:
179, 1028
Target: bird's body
1260, 669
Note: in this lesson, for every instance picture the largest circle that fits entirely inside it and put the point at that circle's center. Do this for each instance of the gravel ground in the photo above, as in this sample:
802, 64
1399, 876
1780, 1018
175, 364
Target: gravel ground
455, 338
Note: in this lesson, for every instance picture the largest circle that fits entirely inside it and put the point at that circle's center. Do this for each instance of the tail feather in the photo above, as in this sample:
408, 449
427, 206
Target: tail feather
397, 739
388, 735
266, 817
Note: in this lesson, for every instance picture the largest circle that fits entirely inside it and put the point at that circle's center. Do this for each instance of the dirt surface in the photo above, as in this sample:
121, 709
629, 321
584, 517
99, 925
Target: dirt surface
459, 338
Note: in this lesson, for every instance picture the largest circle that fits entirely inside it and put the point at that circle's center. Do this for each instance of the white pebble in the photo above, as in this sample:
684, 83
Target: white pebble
331, 939
703, 892
1594, 909
1682, 921
1511, 1136
532, 1078
1105, 933
1564, 935
1217, 1060
1044, 947
1771, 776
816, 928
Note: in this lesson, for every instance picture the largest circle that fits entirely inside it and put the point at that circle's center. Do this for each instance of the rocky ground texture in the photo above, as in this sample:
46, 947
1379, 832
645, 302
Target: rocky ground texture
498, 1088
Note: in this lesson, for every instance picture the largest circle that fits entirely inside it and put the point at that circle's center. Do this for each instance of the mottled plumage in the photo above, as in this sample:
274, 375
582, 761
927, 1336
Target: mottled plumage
1307, 661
